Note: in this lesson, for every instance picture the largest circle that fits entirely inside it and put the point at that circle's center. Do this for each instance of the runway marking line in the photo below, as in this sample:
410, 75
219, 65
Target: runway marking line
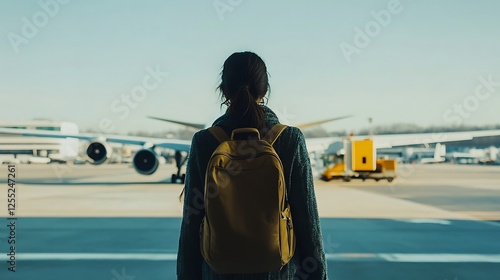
342, 257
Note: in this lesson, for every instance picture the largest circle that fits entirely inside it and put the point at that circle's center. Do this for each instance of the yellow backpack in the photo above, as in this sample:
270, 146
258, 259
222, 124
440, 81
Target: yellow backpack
247, 226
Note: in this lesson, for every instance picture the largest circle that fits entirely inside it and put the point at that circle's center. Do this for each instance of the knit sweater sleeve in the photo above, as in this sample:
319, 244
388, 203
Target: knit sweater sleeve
189, 259
305, 215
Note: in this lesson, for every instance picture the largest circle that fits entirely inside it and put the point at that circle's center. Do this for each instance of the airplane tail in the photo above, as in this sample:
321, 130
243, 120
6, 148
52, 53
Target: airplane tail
439, 152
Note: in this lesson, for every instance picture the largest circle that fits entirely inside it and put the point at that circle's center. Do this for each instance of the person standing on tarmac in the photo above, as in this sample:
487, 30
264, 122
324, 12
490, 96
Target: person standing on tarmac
243, 88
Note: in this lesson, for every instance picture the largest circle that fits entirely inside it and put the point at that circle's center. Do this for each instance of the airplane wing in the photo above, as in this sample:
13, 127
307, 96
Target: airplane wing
313, 124
192, 125
202, 126
394, 140
175, 144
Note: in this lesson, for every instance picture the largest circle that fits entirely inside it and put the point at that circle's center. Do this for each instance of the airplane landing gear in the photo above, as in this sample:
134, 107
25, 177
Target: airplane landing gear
179, 162
176, 177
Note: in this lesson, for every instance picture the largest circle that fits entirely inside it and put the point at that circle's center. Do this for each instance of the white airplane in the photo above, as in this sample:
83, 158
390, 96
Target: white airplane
439, 155
146, 160
487, 156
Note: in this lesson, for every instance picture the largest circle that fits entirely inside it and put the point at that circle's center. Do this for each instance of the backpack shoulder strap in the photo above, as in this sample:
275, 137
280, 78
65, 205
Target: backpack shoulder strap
218, 133
273, 134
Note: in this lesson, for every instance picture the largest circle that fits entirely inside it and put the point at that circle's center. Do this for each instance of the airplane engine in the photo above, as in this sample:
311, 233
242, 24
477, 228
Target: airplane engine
145, 161
98, 152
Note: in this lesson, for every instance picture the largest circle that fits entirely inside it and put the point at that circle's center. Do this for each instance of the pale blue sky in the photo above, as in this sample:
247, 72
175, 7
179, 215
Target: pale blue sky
89, 54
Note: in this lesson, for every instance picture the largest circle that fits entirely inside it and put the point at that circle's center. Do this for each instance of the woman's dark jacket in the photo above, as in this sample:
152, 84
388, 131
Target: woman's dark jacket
308, 261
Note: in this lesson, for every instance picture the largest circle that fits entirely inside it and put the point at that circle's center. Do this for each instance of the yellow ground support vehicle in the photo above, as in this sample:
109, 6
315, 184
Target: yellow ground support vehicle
358, 160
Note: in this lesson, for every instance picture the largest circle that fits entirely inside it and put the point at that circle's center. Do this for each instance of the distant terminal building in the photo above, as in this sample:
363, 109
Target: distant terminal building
22, 147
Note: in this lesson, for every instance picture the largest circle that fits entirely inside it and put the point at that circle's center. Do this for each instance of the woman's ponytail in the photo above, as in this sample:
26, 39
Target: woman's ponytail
245, 108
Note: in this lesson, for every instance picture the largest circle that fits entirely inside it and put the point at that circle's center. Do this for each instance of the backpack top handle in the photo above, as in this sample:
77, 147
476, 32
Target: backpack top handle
245, 130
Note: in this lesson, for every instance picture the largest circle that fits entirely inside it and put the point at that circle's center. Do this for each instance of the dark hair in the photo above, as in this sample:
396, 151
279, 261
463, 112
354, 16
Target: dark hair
244, 81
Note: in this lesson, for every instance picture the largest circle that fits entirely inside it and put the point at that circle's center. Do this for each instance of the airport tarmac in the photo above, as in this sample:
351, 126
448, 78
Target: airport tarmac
107, 222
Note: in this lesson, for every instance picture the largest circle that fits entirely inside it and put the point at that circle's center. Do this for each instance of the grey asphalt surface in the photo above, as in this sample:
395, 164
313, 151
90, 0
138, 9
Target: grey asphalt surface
470, 189
352, 244
341, 236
